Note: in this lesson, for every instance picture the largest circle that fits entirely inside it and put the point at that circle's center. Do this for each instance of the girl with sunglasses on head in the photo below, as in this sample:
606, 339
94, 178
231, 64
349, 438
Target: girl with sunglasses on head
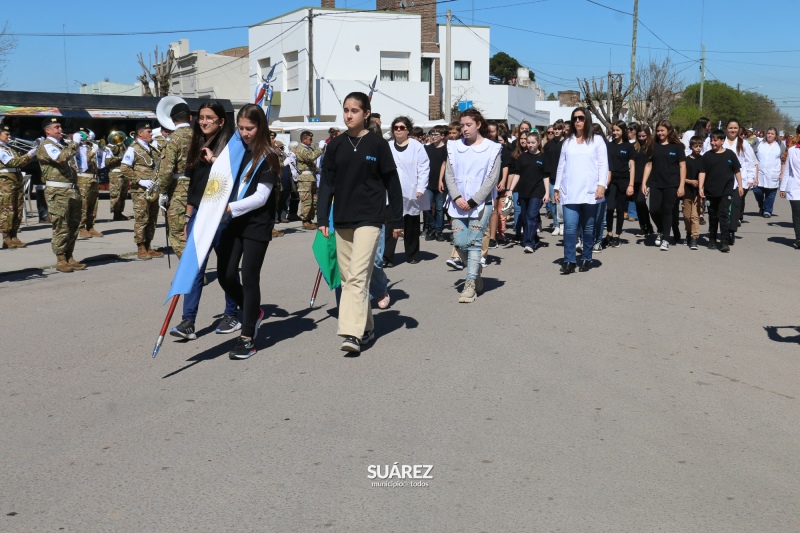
413, 167
664, 179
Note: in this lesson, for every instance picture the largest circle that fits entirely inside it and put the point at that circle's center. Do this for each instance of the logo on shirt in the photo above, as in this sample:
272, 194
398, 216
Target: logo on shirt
539, 163
623, 152
729, 161
672, 153
372, 158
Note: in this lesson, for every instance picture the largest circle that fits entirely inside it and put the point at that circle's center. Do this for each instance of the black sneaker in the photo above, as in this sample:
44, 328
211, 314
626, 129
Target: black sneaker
567, 268
693, 244
732, 239
455, 263
184, 330
351, 344
244, 349
712, 243
368, 337
228, 324
724, 247
492, 243
586, 265
440, 238
429, 236
797, 244
615, 242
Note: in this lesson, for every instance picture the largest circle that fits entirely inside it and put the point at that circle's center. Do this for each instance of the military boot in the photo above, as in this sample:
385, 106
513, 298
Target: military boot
8, 242
74, 264
83, 234
18, 243
94, 233
153, 253
141, 253
468, 295
119, 217
62, 265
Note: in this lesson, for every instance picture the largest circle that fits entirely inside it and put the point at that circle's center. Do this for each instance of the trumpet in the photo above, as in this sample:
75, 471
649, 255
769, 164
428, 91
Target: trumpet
23, 145
151, 194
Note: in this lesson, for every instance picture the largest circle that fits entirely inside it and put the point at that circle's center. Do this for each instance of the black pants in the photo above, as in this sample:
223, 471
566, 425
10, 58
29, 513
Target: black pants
411, 233
676, 221
617, 202
719, 214
662, 202
737, 208
641, 209
796, 217
247, 294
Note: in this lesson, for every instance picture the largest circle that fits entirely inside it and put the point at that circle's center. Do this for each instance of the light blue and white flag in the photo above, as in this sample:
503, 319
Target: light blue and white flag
208, 215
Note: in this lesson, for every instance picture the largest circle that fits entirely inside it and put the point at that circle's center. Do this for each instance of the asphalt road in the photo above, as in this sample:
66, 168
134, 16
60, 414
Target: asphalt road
657, 392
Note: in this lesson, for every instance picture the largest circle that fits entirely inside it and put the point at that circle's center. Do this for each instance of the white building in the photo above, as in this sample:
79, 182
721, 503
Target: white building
112, 88
199, 74
404, 49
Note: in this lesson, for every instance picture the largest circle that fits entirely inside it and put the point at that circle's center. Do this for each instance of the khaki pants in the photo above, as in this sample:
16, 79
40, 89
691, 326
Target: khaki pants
355, 252
692, 210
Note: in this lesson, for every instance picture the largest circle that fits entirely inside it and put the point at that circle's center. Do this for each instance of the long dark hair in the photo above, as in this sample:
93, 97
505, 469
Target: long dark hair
476, 116
406, 122
637, 129
262, 144
588, 134
739, 140
199, 139
672, 137
624, 127
700, 126
363, 103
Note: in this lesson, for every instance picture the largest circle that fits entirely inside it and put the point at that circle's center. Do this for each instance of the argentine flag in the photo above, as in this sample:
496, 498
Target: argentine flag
208, 215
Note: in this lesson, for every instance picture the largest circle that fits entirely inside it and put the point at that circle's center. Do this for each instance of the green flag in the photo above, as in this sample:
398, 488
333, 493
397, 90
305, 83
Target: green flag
325, 254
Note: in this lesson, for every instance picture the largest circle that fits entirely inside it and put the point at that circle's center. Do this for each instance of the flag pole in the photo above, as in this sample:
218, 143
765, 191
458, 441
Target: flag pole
164, 326
316, 288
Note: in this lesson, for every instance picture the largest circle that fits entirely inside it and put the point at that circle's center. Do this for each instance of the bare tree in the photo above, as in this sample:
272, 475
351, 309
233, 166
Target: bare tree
656, 93
7, 45
595, 96
161, 77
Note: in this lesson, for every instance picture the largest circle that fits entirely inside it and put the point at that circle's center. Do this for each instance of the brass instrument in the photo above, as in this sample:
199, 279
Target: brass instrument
151, 194
23, 145
116, 137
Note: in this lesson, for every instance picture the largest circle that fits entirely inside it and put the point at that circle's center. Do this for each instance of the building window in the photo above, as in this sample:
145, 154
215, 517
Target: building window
394, 66
292, 71
427, 73
461, 70
263, 67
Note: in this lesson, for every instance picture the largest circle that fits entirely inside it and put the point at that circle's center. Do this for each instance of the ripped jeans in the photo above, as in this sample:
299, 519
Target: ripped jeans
467, 237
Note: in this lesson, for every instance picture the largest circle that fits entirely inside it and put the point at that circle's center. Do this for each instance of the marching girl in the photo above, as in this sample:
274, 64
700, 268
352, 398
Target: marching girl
357, 175
250, 218
621, 179
643, 145
532, 185
749, 164
790, 188
472, 172
664, 178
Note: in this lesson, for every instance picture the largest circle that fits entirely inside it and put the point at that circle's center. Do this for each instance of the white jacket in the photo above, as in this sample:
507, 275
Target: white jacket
413, 166
747, 160
791, 175
581, 169
769, 164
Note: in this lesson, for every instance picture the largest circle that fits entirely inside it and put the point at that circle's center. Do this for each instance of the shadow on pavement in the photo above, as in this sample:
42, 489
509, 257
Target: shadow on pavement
114, 231
34, 273
782, 240
775, 335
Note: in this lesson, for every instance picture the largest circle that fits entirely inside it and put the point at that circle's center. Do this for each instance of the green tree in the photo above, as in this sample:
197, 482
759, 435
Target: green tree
551, 97
504, 67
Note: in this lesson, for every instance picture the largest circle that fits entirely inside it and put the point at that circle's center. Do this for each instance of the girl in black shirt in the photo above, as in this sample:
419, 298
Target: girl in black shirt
642, 145
665, 173
357, 174
533, 187
621, 174
249, 219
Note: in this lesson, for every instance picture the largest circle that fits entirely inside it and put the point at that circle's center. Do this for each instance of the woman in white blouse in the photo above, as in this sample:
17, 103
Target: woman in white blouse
790, 188
747, 160
769, 172
413, 166
580, 184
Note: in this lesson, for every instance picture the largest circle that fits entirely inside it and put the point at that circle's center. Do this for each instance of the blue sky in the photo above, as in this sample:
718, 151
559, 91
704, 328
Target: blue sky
747, 44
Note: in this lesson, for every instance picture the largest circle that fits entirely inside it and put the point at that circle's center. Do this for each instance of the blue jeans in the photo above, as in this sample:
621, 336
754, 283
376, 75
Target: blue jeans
632, 209
579, 216
191, 301
765, 198
434, 218
530, 209
467, 237
379, 283
599, 221
519, 220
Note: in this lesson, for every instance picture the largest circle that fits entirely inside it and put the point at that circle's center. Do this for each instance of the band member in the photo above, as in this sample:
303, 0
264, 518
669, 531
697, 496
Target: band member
11, 193
307, 178
61, 191
139, 166
118, 184
173, 185
85, 164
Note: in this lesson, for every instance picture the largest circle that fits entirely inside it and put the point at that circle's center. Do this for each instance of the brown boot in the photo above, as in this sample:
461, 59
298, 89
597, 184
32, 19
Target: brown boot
309, 225
153, 253
62, 265
94, 233
276, 233
119, 217
74, 264
8, 242
83, 234
18, 243
45, 220
141, 253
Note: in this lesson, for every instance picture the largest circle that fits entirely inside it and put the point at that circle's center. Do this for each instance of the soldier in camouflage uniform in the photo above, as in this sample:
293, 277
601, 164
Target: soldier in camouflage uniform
173, 185
307, 178
139, 166
61, 192
11, 193
118, 185
85, 165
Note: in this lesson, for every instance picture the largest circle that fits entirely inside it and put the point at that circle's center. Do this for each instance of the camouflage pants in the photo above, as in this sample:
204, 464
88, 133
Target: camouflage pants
65, 213
176, 214
118, 189
10, 203
145, 215
307, 189
89, 201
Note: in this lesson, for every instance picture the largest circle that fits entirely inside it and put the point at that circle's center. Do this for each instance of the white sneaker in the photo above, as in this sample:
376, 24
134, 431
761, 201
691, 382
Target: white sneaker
579, 247
483, 262
659, 238
557, 230
665, 245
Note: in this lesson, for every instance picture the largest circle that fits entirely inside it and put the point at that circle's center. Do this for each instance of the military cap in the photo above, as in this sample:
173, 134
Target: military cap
5, 128
306, 133
143, 126
50, 121
177, 109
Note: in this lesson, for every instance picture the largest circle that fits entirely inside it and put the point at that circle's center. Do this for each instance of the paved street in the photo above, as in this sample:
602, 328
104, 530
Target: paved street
658, 392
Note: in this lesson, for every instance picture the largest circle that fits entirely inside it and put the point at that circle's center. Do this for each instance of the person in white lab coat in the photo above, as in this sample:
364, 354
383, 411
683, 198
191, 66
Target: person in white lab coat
747, 160
769, 172
790, 188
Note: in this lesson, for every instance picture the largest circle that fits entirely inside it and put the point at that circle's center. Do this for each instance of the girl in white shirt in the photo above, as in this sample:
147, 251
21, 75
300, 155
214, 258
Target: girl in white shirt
580, 184
747, 160
769, 172
790, 188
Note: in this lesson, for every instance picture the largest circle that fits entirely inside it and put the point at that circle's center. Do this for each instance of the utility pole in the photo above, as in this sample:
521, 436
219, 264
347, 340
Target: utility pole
633, 56
702, 75
608, 100
310, 50
448, 111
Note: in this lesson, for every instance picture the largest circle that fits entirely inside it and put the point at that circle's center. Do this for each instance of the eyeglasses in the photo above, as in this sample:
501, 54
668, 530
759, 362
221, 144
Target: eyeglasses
579, 118
399, 127
631, 129
436, 134
551, 132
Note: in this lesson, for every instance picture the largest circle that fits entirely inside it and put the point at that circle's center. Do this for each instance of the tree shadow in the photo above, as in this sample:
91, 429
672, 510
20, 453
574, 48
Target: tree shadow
774, 335
782, 240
